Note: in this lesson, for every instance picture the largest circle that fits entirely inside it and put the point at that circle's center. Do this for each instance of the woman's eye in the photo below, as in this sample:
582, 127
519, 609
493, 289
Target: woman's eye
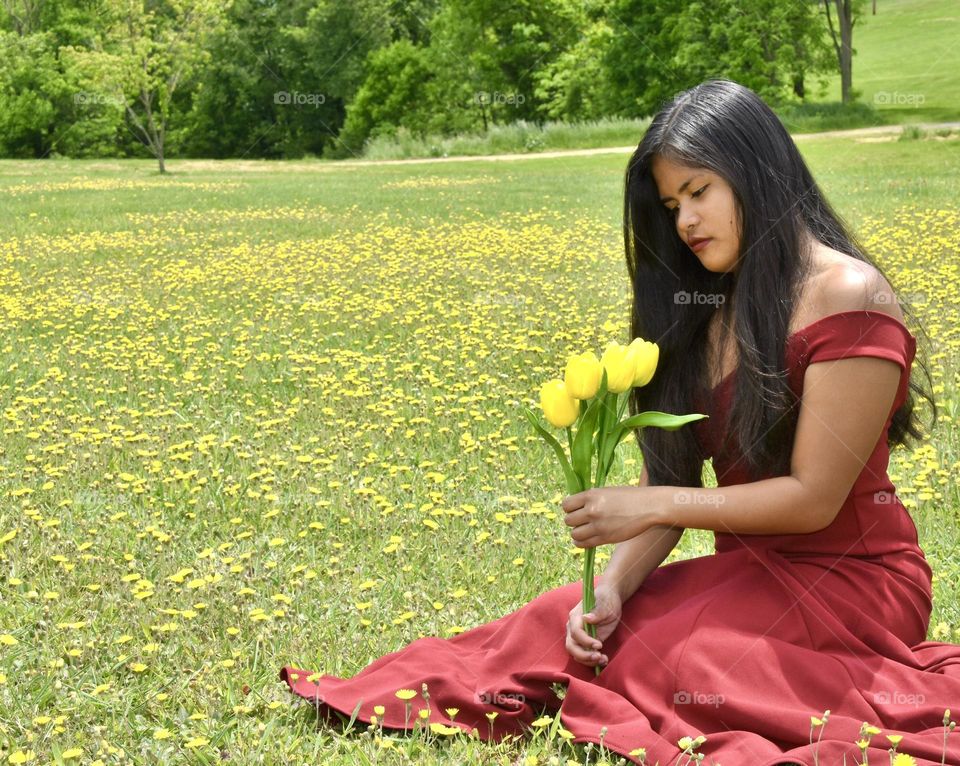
699, 191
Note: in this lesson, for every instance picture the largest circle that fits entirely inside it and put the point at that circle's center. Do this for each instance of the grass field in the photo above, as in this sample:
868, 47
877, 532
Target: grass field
261, 414
906, 60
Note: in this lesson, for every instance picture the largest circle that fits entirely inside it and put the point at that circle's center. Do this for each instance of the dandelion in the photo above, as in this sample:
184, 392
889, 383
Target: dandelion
406, 695
196, 742
819, 723
491, 716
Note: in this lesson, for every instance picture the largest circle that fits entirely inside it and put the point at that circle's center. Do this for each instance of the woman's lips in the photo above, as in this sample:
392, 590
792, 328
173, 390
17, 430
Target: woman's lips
698, 246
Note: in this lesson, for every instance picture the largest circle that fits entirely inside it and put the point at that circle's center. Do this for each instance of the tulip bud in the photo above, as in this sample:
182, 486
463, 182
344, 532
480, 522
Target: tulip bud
648, 355
582, 375
620, 362
560, 409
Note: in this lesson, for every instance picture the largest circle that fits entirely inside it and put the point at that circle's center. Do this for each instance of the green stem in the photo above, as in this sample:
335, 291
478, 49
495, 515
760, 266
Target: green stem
605, 414
589, 600
588, 596
623, 405
599, 449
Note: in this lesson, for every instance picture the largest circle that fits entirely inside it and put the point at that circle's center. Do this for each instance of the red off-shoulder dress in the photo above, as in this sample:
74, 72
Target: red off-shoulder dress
741, 646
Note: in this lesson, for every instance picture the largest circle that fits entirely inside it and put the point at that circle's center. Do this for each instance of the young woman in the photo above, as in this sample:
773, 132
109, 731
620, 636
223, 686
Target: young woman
771, 319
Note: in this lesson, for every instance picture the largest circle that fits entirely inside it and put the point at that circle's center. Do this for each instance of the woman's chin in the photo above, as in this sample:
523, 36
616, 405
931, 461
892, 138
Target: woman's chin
718, 265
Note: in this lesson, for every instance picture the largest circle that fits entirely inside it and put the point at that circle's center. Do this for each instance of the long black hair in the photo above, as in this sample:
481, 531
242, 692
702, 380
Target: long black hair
725, 127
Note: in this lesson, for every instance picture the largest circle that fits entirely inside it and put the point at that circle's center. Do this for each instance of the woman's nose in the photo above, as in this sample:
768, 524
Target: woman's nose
687, 220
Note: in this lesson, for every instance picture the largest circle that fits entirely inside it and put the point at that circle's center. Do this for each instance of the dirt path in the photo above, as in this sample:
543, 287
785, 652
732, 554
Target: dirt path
882, 132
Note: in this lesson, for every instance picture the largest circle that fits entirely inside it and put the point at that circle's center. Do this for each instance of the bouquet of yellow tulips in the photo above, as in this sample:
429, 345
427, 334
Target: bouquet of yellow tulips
589, 397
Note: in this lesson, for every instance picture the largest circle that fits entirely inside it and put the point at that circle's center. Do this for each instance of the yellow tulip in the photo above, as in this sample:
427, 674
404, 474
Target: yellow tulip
582, 375
648, 355
620, 362
559, 407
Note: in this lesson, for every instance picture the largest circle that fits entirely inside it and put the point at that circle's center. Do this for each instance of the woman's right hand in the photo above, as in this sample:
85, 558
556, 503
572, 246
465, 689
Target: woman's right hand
605, 615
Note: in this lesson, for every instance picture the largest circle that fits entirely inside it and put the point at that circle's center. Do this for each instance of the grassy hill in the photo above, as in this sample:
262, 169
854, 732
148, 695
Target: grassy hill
906, 60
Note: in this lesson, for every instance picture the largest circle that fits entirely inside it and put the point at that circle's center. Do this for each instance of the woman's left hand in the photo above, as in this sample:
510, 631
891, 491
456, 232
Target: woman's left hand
603, 515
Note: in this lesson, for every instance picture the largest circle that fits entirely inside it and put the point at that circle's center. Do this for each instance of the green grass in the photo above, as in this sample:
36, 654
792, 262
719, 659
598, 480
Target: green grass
517, 137
906, 60
199, 370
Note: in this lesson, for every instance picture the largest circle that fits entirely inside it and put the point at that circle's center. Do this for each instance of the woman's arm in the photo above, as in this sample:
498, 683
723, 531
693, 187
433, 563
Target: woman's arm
634, 559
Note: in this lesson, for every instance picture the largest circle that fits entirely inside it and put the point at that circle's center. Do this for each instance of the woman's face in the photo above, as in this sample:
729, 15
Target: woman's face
703, 206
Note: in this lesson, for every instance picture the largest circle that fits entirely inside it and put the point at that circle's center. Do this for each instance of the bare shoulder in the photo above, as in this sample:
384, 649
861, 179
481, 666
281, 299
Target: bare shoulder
846, 284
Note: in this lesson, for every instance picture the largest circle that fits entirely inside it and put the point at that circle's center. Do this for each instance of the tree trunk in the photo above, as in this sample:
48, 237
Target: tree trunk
154, 132
842, 43
846, 50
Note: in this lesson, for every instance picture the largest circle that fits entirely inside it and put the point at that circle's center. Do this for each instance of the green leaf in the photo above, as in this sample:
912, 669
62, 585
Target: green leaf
573, 481
650, 418
660, 420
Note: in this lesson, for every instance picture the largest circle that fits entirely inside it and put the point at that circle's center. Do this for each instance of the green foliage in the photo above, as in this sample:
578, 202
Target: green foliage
662, 47
333, 78
45, 110
29, 89
489, 53
574, 85
396, 93
147, 51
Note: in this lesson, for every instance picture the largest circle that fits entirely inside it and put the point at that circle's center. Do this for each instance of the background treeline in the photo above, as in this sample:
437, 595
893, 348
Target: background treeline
290, 78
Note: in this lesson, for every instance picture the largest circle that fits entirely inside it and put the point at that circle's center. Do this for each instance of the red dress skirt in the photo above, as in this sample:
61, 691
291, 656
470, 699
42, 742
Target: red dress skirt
742, 646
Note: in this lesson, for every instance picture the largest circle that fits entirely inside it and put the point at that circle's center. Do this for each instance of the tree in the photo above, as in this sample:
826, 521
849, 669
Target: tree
848, 11
25, 15
488, 53
395, 94
574, 85
283, 74
661, 47
147, 52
